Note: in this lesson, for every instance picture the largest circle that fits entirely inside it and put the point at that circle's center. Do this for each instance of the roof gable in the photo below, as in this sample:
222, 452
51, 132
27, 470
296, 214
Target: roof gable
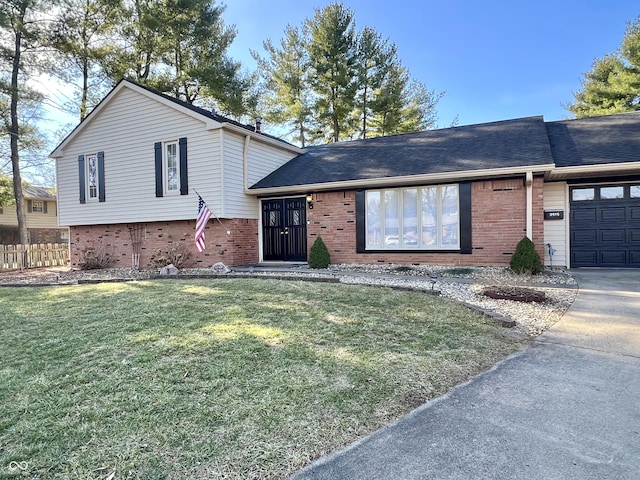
210, 119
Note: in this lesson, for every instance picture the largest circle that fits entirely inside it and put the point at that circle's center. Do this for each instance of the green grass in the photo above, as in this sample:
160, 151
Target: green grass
219, 378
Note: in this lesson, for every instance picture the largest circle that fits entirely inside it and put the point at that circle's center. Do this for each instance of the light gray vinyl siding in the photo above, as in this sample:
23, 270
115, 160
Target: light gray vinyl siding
555, 231
262, 159
126, 130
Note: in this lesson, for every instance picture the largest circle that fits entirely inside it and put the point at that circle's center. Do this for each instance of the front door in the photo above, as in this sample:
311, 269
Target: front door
284, 230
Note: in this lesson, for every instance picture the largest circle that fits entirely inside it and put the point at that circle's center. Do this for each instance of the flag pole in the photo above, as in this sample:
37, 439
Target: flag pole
214, 214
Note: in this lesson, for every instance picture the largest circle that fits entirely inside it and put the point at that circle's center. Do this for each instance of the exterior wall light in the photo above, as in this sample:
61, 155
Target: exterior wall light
310, 201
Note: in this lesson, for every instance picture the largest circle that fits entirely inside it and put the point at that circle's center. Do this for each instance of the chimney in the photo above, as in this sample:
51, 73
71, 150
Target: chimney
258, 124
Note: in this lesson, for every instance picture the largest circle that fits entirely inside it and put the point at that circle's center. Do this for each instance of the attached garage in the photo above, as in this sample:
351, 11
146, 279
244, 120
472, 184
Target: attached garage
605, 225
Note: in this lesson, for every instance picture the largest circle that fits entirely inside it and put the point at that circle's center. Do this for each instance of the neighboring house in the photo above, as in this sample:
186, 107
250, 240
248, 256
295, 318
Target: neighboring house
42, 219
457, 196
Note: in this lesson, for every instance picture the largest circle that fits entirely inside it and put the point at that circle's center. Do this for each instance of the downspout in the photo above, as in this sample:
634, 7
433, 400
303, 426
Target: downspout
245, 164
529, 185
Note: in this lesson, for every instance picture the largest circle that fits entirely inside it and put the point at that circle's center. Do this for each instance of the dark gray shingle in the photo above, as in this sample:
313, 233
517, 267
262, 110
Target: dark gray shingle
510, 143
595, 140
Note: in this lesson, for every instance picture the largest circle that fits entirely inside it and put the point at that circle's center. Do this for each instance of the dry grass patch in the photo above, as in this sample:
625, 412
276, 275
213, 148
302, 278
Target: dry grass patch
219, 378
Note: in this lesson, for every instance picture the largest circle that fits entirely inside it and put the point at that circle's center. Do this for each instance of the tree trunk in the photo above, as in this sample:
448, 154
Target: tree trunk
15, 132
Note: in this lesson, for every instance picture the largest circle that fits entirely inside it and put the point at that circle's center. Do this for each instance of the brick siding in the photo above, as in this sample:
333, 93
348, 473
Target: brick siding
240, 247
498, 224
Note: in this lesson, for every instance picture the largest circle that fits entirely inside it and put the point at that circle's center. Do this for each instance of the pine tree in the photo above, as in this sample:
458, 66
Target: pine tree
613, 83
332, 50
287, 93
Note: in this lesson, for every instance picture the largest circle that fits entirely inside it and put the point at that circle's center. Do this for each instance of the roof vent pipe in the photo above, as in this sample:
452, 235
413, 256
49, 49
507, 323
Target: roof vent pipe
258, 124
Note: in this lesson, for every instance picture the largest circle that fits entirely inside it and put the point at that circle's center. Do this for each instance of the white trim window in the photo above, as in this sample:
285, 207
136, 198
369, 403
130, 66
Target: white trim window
171, 168
413, 218
37, 206
92, 177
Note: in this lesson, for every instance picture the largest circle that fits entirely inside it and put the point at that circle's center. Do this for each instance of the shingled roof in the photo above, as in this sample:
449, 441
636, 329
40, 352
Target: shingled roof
595, 140
521, 142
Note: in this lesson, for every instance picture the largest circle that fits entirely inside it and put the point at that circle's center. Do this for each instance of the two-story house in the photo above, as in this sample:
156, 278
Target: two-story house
129, 177
42, 219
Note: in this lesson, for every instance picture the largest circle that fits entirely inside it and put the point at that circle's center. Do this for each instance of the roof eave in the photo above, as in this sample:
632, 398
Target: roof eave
405, 180
578, 171
263, 138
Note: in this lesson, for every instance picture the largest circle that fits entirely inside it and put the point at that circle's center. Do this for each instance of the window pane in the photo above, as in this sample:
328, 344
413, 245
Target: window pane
374, 234
609, 193
37, 206
580, 194
450, 216
410, 217
172, 167
635, 191
429, 216
391, 218
92, 176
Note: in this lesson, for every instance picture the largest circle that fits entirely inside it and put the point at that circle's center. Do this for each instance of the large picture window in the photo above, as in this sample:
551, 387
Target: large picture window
426, 218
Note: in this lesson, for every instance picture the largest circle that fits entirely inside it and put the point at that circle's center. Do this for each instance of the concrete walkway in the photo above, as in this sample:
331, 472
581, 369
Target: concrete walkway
566, 408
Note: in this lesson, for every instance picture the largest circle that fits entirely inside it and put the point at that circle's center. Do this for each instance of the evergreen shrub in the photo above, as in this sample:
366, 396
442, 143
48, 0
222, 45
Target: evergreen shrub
319, 255
526, 259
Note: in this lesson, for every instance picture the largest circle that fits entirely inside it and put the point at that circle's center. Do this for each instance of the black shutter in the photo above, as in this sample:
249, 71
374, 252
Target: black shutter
465, 217
44, 208
158, 150
101, 193
29, 206
184, 177
360, 221
82, 184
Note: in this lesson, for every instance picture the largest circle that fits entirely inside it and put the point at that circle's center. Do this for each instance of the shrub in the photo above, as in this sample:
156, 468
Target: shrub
175, 254
319, 255
94, 257
526, 259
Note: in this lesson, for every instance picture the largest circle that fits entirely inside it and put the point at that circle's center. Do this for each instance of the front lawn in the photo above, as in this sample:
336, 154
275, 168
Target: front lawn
221, 378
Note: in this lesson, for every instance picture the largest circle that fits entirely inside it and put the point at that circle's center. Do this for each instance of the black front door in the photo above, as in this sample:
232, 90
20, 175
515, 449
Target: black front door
284, 230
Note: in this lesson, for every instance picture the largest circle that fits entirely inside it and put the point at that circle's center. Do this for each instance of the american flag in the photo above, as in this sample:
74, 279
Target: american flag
204, 214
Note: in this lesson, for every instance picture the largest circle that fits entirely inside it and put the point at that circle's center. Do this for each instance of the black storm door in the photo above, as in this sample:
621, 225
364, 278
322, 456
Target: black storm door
284, 230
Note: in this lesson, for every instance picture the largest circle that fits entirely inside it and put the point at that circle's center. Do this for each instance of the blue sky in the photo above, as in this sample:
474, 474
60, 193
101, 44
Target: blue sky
495, 59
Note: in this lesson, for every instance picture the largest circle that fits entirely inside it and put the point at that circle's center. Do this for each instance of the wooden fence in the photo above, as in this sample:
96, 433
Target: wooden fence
14, 257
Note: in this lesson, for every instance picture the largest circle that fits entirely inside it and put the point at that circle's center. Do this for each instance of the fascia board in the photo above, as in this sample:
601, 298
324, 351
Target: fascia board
576, 171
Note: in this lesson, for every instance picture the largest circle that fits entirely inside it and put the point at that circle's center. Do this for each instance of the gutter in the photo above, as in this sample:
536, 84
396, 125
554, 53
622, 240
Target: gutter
563, 172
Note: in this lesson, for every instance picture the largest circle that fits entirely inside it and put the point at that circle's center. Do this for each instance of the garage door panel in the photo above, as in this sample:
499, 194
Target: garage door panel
584, 215
634, 235
617, 235
584, 236
634, 213
634, 258
613, 257
580, 257
612, 214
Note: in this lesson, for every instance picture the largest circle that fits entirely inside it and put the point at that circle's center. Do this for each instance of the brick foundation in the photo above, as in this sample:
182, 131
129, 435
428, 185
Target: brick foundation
238, 248
498, 224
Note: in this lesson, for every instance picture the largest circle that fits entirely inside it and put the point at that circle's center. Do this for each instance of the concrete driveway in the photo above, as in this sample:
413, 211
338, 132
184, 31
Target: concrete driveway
566, 408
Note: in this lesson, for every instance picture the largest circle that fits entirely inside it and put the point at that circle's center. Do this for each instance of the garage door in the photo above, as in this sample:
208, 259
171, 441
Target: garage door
605, 225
